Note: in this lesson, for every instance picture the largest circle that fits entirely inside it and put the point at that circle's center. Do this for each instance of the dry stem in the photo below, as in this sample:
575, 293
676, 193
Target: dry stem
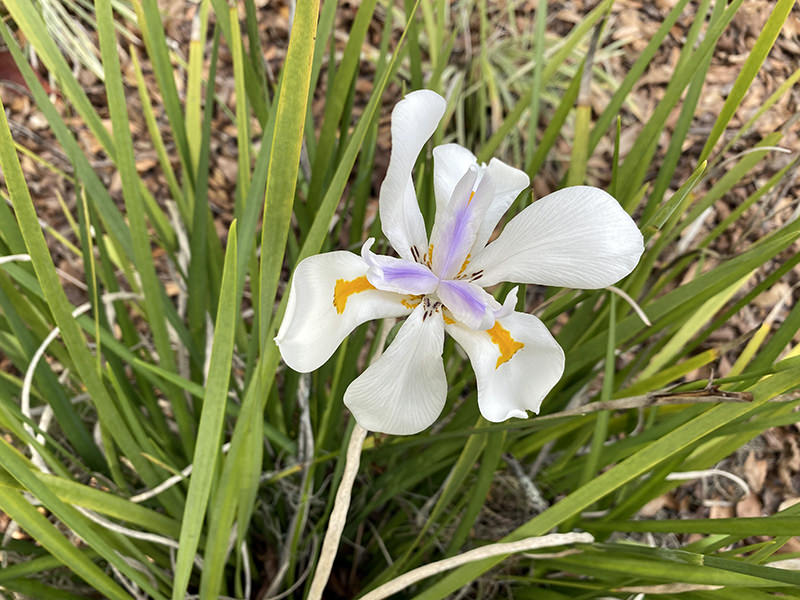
330, 544
533, 543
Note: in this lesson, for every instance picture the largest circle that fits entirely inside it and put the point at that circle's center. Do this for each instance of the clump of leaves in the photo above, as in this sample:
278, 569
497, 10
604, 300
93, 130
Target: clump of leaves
161, 429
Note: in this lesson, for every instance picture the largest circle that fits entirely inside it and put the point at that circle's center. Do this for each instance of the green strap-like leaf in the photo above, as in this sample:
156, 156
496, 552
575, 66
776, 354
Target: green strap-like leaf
143, 257
208, 447
612, 479
45, 533
284, 161
60, 306
755, 58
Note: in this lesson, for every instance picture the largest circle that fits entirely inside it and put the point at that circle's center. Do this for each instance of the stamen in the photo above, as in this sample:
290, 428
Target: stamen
431, 307
344, 289
507, 345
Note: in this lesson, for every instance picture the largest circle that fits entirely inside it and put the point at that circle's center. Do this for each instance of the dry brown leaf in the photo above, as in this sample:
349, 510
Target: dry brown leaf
749, 506
789, 502
755, 472
656, 504
720, 510
793, 461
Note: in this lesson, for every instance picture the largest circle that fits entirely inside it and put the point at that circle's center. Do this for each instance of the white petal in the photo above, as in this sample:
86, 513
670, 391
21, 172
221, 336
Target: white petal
414, 119
312, 326
403, 391
450, 163
518, 378
578, 237
509, 304
508, 183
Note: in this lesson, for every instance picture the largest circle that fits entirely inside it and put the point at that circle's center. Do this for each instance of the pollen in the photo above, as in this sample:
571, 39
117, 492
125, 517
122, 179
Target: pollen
345, 289
507, 345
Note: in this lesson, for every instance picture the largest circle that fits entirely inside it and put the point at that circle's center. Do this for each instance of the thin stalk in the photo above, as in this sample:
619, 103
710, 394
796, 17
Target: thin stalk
330, 544
491, 550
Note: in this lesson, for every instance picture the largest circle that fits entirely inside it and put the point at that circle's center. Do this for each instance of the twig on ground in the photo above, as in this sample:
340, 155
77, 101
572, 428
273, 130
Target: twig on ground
25, 400
9, 258
687, 475
132, 533
168, 483
648, 400
670, 588
400, 583
532, 493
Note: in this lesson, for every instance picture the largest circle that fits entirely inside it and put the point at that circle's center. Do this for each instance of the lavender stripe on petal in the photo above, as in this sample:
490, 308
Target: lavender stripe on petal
457, 241
411, 277
396, 274
469, 304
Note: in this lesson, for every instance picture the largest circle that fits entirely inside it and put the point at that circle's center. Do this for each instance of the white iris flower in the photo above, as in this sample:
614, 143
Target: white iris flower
577, 237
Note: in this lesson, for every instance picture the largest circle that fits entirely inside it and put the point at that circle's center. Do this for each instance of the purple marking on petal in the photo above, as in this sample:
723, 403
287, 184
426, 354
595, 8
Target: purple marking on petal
468, 303
396, 274
416, 279
454, 240
464, 295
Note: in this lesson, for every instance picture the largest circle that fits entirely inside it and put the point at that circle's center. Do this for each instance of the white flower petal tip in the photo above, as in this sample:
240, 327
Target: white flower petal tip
329, 297
366, 247
509, 304
421, 102
516, 362
450, 162
404, 391
578, 237
516, 414
508, 184
414, 119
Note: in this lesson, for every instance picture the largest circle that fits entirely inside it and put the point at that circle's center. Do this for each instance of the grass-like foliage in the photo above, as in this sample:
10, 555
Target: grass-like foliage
154, 445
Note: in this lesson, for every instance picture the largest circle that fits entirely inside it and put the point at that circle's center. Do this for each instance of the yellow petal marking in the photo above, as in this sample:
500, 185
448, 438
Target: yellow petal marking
471, 196
344, 289
507, 345
411, 301
464, 266
429, 256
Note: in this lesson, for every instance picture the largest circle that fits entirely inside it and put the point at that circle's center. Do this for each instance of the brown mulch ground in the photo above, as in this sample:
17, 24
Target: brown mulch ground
771, 463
